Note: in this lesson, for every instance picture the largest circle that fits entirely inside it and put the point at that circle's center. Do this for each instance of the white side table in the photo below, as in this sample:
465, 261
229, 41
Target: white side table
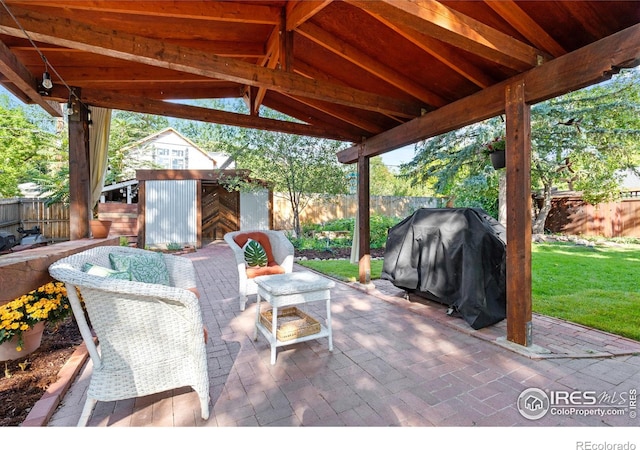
292, 289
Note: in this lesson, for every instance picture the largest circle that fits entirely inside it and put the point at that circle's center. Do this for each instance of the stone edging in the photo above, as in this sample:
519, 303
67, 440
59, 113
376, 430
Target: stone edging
44, 408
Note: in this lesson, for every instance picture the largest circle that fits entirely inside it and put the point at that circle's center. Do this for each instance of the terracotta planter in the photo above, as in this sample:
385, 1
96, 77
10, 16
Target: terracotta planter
100, 228
31, 341
497, 159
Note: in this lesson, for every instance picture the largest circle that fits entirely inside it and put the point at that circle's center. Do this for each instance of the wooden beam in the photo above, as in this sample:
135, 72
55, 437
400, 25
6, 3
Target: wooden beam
364, 221
313, 116
162, 108
153, 52
371, 65
342, 114
243, 12
79, 173
529, 28
447, 25
583, 67
518, 166
22, 79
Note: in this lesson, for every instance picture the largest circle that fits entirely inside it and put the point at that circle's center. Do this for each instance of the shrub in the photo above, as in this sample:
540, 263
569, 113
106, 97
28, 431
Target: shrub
379, 226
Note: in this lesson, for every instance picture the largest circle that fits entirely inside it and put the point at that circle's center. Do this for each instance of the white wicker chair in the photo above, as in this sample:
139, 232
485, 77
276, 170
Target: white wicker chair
281, 248
150, 336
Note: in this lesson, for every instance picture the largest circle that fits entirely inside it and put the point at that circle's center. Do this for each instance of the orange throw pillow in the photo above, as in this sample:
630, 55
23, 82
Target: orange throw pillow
272, 266
262, 238
272, 269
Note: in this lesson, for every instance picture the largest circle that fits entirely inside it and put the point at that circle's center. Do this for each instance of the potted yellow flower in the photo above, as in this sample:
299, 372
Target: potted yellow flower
22, 320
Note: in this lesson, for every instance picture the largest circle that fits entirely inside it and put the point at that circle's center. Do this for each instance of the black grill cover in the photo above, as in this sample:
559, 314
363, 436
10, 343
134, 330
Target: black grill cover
455, 256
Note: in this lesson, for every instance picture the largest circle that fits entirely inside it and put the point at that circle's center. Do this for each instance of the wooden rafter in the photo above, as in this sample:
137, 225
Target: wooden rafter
440, 51
443, 23
370, 64
17, 74
343, 115
157, 53
518, 19
253, 96
301, 11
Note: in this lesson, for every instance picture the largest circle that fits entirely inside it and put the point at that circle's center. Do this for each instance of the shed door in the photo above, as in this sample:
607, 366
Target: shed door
220, 212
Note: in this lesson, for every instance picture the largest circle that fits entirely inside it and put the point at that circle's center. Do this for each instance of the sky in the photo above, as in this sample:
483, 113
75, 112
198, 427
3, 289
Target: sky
397, 157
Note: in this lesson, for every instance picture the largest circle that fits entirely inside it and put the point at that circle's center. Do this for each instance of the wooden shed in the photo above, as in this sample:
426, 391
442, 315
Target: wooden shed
193, 207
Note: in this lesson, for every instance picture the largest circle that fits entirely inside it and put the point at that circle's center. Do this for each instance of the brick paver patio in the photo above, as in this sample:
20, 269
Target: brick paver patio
395, 363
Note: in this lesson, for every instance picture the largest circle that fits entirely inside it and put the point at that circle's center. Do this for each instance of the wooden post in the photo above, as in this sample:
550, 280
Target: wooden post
518, 162
364, 257
79, 172
142, 208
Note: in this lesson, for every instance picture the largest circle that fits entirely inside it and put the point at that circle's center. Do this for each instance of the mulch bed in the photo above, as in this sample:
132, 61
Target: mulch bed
335, 253
25, 380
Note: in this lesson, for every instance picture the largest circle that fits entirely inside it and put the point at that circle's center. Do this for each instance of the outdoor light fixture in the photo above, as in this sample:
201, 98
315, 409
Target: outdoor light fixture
70, 109
46, 80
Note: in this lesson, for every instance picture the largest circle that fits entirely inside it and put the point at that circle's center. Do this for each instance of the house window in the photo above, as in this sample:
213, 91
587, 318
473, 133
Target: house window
171, 158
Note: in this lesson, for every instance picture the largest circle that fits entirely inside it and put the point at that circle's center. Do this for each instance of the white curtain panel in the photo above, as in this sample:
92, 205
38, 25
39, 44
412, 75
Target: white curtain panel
98, 145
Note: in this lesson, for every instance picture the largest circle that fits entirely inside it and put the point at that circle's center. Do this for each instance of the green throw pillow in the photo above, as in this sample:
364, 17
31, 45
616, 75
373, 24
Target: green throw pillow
100, 271
146, 267
254, 254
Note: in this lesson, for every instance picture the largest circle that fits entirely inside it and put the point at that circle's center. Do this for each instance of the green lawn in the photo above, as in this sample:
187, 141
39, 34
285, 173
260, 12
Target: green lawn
594, 286
342, 269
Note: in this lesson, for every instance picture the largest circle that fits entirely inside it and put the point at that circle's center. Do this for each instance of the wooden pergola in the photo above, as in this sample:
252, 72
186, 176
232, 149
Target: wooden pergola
378, 74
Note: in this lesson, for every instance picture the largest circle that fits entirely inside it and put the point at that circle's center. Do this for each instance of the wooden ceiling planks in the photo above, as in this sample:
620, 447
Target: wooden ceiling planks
364, 67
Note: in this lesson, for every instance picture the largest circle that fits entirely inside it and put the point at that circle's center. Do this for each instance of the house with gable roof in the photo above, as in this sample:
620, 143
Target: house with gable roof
168, 149
176, 193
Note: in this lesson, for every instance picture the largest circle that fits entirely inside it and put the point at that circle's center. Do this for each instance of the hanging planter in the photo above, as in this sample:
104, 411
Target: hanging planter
498, 159
496, 151
100, 228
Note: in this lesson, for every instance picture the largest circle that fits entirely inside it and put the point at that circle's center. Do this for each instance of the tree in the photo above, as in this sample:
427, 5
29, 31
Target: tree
382, 181
26, 146
385, 182
127, 128
584, 140
297, 166
454, 165
580, 141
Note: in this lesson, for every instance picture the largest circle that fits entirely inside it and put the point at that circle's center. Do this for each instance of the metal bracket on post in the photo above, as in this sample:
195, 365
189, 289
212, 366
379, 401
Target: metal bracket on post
529, 333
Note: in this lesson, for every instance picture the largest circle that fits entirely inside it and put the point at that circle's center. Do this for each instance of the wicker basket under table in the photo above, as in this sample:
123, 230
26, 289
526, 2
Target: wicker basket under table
292, 325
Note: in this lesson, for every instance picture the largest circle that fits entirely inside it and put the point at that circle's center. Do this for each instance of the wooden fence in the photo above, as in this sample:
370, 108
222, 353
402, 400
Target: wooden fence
29, 212
569, 215
327, 208
54, 220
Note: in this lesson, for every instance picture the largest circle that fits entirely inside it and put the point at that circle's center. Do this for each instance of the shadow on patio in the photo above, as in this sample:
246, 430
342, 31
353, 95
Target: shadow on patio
394, 363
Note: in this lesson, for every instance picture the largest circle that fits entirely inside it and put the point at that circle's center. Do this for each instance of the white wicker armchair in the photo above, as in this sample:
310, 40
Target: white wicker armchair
282, 252
150, 336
